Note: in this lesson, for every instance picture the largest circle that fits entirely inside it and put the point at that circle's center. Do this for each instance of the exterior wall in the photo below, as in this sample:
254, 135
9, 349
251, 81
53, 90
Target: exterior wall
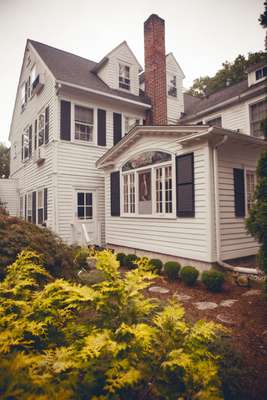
8, 195
109, 73
235, 117
184, 237
76, 168
175, 105
235, 242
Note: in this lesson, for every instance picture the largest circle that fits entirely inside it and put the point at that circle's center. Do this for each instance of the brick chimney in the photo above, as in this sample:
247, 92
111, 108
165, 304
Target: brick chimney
155, 69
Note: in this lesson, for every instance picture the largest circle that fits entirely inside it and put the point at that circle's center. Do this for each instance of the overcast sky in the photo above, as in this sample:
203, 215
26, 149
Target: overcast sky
201, 33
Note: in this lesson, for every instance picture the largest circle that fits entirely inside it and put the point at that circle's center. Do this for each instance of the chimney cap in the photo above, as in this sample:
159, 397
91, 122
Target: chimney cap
154, 17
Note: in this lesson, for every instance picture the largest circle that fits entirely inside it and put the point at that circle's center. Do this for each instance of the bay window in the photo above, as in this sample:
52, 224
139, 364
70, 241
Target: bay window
84, 123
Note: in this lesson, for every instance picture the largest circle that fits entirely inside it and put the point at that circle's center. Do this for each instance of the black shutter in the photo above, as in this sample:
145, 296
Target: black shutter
115, 194
65, 120
35, 134
30, 141
185, 186
101, 127
45, 204
47, 125
34, 207
25, 206
22, 146
116, 128
239, 192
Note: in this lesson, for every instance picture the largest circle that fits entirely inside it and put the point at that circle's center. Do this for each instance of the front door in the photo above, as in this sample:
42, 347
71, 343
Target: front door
85, 225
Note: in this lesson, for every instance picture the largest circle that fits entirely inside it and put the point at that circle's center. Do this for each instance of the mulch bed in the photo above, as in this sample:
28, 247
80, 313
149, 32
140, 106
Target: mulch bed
248, 332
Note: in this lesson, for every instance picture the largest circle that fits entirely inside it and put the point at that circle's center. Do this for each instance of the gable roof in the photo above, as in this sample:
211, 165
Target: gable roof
73, 69
171, 55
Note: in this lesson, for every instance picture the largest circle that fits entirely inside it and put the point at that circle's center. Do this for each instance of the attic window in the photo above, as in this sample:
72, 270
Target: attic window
124, 76
261, 73
172, 86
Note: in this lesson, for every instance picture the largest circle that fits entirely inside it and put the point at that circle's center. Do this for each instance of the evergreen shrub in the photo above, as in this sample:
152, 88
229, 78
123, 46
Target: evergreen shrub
189, 275
171, 269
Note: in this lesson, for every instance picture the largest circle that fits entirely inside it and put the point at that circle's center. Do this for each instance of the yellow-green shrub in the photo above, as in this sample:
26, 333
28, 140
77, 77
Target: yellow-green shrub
60, 340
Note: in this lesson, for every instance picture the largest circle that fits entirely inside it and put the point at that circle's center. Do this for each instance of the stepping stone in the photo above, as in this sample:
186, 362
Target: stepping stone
227, 303
205, 305
252, 292
182, 297
225, 319
158, 289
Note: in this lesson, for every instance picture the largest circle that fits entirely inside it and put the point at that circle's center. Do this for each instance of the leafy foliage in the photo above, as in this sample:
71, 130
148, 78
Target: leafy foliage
66, 341
17, 235
4, 161
263, 16
171, 269
121, 258
130, 261
256, 223
156, 265
213, 280
189, 275
229, 74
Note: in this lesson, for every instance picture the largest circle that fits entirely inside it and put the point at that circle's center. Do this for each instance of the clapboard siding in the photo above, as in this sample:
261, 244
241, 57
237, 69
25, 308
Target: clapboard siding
184, 237
8, 195
175, 105
109, 73
235, 241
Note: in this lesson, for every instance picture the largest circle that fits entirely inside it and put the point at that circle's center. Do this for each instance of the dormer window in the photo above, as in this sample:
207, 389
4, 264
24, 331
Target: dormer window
172, 86
261, 73
124, 76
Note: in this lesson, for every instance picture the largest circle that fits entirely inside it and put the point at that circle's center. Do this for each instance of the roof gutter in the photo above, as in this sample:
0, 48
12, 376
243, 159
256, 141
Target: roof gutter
111, 96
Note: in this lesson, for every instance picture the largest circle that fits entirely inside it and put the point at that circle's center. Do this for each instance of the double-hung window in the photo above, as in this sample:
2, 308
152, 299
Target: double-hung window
124, 77
164, 190
261, 73
251, 181
84, 205
172, 85
40, 207
84, 123
41, 129
258, 112
129, 193
29, 207
25, 145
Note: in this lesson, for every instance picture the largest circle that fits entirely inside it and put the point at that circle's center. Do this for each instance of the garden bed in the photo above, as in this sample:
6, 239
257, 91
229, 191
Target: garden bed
248, 327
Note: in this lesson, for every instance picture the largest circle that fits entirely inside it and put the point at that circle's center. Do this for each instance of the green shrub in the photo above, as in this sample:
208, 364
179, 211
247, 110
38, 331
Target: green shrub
156, 265
213, 280
17, 235
172, 268
81, 256
121, 257
189, 275
60, 340
130, 261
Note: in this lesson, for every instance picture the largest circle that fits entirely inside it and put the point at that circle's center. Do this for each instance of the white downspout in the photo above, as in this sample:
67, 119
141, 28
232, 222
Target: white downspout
251, 271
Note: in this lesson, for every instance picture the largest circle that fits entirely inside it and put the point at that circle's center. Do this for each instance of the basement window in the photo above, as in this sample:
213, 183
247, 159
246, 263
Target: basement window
124, 77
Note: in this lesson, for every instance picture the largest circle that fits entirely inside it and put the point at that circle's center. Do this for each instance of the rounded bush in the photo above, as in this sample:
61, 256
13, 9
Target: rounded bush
130, 261
189, 275
156, 265
213, 280
172, 268
121, 258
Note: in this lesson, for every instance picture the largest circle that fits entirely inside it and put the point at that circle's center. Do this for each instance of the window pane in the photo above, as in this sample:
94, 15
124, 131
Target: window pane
89, 212
83, 114
145, 186
89, 199
80, 199
81, 212
40, 216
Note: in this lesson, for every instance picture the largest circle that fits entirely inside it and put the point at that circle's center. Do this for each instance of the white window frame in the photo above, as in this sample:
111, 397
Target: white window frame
85, 191
41, 193
171, 85
249, 115
86, 105
125, 65
41, 114
26, 135
29, 207
249, 171
154, 213
207, 120
263, 77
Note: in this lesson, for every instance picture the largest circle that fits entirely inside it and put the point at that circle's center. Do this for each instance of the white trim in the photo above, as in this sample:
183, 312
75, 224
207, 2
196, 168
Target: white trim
112, 96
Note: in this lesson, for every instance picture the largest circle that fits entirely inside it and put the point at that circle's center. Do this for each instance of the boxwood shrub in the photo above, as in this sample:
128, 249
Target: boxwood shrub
189, 275
121, 257
156, 265
171, 269
213, 280
130, 261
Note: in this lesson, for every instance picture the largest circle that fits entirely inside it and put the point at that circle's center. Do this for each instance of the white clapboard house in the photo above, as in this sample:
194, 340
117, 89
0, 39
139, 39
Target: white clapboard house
104, 153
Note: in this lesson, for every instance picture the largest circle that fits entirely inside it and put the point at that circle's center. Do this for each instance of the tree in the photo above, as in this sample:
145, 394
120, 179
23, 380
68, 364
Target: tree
263, 16
257, 221
229, 74
4, 161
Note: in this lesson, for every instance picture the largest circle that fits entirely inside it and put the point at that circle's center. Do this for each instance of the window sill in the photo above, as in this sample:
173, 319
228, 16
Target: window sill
151, 216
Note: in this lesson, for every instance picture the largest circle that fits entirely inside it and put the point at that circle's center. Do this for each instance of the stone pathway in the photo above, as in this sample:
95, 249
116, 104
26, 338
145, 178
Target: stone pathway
225, 319
227, 303
252, 292
205, 305
182, 297
158, 289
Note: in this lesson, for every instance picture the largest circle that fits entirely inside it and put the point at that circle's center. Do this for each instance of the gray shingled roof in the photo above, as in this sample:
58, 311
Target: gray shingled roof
77, 70
195, 106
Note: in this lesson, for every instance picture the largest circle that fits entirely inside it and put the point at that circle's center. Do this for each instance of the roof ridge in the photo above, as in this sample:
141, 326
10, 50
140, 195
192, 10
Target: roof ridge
63, 51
